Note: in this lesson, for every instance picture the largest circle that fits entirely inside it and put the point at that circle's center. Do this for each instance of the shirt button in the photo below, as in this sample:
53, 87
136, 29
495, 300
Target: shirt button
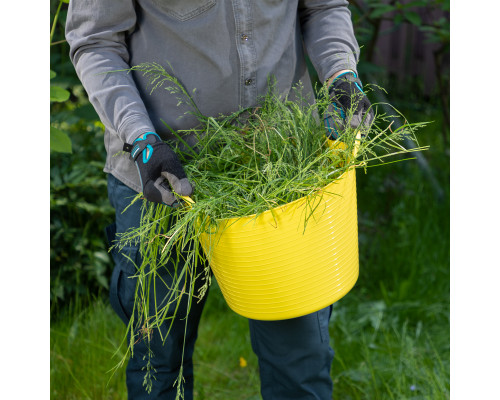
248, 82
244, 37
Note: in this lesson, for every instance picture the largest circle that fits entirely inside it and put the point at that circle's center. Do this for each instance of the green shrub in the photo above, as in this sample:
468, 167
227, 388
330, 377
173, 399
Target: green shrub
79, 208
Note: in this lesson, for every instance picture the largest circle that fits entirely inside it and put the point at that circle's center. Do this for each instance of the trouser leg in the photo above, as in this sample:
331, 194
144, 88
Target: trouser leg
167, 355
294, 357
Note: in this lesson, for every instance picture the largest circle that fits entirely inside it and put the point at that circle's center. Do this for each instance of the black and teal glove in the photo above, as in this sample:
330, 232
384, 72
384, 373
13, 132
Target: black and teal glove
160, 170
347, 96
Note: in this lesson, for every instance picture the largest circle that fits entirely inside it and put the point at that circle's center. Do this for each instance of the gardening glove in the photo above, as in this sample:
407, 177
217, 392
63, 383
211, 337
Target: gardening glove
346, 95
160, 170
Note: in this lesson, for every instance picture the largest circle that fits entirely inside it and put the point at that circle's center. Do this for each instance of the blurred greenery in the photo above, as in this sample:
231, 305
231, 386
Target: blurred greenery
390, 333
80, 264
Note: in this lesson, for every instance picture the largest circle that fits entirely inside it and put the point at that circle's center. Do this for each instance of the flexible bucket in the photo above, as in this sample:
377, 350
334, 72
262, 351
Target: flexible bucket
277, 266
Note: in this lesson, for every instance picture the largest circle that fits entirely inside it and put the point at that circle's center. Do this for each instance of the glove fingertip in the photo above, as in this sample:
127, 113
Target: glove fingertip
167, 197
186, 189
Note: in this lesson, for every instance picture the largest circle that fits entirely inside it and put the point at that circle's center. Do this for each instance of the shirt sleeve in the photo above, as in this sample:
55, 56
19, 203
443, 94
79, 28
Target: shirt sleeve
96, 31
328, 36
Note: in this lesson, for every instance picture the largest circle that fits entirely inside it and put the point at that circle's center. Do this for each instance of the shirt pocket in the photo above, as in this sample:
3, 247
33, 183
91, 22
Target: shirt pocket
184, 10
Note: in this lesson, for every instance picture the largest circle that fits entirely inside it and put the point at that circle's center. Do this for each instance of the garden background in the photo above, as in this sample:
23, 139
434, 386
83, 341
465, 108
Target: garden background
391, 333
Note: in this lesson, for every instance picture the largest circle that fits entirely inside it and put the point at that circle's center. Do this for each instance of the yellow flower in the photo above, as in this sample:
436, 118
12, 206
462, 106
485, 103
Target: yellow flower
243, 362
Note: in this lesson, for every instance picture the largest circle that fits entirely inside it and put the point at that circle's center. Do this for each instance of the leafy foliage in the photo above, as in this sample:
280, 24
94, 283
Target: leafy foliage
79, 209
368, 14
59, 140
79, 261
378, 21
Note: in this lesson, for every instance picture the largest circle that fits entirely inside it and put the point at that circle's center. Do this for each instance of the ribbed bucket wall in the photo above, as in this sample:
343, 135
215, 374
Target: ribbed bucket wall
275, 266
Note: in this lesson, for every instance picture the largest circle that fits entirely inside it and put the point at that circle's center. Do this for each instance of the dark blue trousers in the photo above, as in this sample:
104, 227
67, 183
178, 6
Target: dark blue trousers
294, 355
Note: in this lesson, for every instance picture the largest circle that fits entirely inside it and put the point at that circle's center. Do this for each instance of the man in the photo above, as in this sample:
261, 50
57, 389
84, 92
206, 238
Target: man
226, 50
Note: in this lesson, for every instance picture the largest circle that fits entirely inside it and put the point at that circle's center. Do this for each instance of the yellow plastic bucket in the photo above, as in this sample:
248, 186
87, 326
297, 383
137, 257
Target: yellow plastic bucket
275, 266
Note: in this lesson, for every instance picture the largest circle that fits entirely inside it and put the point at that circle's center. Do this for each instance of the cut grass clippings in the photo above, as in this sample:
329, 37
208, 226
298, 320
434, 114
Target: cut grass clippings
244, 164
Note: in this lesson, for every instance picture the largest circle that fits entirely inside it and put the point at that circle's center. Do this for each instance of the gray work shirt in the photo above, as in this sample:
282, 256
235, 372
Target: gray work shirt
224, 49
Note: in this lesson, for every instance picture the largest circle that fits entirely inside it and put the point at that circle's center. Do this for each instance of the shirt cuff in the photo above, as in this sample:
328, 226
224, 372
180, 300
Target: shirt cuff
133, 127
335, 63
